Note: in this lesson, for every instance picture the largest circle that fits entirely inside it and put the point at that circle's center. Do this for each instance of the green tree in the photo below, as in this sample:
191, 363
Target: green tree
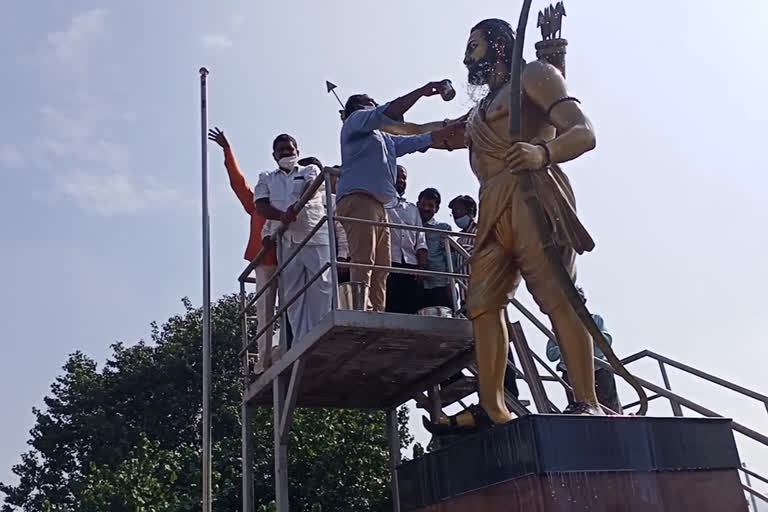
143, 481
126, 437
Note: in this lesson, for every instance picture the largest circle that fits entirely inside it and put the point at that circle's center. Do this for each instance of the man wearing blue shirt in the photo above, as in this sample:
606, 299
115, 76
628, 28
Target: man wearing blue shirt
367, 181
437, 290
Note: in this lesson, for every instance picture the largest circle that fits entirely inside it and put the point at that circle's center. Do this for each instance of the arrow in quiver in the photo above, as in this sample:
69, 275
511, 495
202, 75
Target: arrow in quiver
552, 46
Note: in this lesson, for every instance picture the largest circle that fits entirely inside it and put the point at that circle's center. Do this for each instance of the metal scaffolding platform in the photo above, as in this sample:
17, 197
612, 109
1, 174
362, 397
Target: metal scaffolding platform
351, 358
365, 360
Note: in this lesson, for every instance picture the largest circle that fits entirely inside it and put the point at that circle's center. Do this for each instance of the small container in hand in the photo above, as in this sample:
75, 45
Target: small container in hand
447, 91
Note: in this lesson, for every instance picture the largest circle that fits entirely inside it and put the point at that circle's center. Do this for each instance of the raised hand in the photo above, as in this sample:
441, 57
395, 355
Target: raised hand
288, 216
431, 88
218, 137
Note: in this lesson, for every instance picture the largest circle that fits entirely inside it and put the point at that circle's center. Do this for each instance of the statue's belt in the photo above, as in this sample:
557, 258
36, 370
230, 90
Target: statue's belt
555, 197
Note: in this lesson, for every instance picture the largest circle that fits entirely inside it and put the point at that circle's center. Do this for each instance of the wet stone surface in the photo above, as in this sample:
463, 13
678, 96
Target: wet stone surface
545, 461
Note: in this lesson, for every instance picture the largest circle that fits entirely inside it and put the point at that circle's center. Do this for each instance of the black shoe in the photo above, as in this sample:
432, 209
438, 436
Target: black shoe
583, 409
482, 422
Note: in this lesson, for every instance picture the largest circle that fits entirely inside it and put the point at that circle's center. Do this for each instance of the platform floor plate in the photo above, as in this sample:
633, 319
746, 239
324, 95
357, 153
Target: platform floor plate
363, 360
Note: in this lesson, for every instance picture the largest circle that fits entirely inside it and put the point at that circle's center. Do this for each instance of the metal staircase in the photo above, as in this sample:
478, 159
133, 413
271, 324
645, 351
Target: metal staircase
679, 404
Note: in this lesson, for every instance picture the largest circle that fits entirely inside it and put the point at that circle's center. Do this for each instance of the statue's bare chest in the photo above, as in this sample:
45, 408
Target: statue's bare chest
495, 106
495, 112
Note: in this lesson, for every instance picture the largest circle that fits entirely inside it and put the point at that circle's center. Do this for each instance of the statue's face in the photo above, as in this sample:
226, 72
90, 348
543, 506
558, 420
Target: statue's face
478, 58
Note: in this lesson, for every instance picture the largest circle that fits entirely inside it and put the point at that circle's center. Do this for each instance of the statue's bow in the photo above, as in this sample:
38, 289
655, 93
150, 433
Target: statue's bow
516, 71
544, 227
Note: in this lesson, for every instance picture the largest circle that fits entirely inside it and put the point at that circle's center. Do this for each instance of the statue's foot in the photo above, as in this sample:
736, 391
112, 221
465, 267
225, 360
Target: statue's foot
583, 409
474, 419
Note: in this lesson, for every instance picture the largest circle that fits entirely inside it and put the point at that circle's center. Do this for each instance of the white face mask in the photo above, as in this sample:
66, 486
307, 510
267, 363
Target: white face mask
288, 163
463, 221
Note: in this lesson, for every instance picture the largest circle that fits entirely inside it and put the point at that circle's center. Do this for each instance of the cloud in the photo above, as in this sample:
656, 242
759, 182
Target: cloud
216, 42
78, 135
70, 43
12, 157
236, 20
117, 194
221, 40
111, 185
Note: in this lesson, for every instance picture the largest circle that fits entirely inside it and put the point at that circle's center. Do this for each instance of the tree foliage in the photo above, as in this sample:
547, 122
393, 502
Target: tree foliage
126, 437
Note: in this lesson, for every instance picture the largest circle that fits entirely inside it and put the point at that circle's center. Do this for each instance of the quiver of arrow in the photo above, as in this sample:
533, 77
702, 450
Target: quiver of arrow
552, 51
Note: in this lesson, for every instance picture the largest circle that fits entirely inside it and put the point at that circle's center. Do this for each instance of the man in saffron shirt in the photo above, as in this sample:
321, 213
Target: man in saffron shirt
265, 306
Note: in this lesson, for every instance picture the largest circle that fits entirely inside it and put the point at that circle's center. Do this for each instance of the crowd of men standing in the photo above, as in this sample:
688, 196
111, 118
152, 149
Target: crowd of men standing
370, 186
419, 250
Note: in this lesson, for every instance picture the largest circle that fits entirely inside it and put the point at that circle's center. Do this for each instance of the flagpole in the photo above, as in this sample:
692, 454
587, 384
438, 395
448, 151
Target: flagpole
206, 455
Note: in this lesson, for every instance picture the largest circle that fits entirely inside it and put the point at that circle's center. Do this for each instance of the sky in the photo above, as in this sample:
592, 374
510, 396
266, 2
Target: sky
100, 165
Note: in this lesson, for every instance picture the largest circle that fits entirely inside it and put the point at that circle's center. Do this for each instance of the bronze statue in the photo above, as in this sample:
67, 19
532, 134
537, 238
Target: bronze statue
529, 226
554, 129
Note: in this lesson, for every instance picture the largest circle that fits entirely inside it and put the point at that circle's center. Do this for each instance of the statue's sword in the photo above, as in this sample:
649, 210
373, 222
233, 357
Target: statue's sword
540, 217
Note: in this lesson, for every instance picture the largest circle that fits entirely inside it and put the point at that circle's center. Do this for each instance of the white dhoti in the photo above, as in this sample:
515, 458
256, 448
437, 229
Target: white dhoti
315, 302
265, 309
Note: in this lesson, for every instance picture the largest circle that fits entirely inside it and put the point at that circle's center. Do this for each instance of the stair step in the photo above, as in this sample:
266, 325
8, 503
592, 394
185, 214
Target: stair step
452, 393
455, 391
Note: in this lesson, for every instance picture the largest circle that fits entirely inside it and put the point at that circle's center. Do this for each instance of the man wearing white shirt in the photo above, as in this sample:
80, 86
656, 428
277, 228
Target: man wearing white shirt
342, 245
274, 196
409, 250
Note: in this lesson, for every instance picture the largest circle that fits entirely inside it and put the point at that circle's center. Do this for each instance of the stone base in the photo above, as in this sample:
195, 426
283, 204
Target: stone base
547, 463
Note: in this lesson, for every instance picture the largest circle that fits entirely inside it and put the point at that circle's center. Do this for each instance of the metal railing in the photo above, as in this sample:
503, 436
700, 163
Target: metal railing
329, 220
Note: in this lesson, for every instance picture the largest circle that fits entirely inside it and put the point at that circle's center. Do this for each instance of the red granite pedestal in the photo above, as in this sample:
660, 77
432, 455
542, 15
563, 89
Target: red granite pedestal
551, 463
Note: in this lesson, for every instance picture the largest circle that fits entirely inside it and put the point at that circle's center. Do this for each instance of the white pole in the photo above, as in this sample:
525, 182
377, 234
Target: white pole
206, 297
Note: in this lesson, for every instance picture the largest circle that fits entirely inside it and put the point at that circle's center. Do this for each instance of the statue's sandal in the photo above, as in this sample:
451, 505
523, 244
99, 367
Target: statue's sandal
479, 416
483, 422
583, 409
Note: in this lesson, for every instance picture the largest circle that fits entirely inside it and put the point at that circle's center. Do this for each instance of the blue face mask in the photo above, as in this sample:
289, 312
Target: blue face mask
463, 221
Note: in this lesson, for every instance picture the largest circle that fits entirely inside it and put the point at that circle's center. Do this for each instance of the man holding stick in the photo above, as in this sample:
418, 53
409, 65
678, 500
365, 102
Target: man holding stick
275, 197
